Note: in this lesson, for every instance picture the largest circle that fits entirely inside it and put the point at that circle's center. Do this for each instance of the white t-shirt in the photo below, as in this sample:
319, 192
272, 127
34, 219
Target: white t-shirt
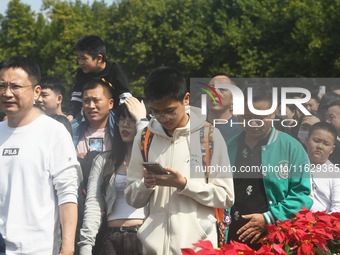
38, 172
326, 188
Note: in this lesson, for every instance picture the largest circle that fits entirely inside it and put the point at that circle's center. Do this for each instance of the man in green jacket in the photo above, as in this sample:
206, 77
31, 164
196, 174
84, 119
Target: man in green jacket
272, 179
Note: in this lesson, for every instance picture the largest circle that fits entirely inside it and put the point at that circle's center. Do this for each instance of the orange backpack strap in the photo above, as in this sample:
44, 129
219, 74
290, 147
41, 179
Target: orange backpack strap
207, 146
219, 214
146, 138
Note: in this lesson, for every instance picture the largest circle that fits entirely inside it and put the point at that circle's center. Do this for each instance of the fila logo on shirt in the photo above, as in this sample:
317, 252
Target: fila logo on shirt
10, 152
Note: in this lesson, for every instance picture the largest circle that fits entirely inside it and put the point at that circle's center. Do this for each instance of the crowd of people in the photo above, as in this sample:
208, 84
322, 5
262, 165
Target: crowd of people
75, 182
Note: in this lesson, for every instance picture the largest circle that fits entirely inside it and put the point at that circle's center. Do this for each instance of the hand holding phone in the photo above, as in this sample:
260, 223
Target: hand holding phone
154, 168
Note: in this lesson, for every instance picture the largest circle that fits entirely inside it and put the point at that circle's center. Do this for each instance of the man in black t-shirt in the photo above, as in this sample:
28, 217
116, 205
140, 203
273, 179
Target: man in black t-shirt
248, 186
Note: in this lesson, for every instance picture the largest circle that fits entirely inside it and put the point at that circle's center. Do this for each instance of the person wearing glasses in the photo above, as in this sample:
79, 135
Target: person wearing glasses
105, 193
181, 201
39, 171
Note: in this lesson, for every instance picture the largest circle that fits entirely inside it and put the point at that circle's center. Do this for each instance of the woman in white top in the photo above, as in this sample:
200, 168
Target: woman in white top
325, 175
106, 184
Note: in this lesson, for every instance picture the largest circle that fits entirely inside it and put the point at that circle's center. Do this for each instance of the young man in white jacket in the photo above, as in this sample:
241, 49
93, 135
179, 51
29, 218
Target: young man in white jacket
181, 201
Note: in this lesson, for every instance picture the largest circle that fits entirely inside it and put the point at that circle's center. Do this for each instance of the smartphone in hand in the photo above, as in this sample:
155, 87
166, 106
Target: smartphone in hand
154, 168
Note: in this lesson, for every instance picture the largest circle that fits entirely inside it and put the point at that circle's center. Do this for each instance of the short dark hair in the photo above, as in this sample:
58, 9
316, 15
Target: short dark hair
53, 83
94, 83
26, 64
324, 126
91, 44
165, 83
335, 103
330, 98
262, 91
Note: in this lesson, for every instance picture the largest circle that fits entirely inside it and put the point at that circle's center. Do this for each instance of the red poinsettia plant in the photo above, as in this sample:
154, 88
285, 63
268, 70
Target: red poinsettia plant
308, 233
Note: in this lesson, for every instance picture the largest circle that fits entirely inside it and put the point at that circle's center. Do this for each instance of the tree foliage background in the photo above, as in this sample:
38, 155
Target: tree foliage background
244, 38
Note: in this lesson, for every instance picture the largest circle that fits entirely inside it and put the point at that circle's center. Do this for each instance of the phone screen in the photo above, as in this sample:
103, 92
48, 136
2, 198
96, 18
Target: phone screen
155, 168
